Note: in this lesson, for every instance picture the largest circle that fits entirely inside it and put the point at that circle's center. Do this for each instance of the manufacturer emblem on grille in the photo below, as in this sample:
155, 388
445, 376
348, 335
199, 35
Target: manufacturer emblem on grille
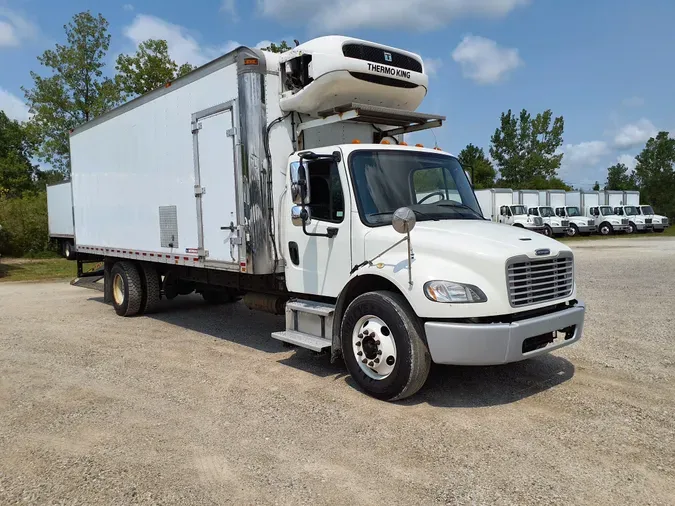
387, 57
542, 252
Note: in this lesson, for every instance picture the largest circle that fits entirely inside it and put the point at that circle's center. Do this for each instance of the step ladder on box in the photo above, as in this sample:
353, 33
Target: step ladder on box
308, 325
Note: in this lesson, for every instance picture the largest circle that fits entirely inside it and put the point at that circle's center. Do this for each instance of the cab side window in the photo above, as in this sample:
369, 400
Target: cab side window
618, 210
559, 212
326, 199
533, 211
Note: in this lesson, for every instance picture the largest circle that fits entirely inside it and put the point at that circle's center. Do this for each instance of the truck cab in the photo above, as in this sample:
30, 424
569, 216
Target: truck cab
659, 223
608, 221
636, 221
579, 224
554, 225
517, 216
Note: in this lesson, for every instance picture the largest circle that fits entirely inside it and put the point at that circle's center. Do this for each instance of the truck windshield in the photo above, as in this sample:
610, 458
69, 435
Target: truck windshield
607, 211
647, 210
434, 186
630, 211
573, 211
518, 210
546, 212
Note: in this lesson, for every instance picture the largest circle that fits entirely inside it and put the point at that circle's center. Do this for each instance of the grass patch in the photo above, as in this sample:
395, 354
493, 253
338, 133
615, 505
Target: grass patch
670, 232
23, 269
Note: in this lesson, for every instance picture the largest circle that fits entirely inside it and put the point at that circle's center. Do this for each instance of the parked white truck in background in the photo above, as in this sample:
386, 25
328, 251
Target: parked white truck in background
659, 223
608, 221
496, 205
191, 188
636, 221
554, 225
60, 218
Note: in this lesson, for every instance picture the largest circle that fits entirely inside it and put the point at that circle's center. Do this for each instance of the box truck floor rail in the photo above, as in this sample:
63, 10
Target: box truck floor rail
373, 250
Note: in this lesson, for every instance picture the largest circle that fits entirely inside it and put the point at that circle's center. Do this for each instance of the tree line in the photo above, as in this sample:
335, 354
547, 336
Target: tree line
74, 87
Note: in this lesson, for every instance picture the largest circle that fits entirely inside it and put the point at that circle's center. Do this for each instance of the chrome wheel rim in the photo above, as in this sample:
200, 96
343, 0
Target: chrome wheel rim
118, 289
374, 347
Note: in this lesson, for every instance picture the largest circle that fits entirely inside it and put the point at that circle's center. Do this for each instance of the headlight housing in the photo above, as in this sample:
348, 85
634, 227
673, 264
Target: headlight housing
448, 292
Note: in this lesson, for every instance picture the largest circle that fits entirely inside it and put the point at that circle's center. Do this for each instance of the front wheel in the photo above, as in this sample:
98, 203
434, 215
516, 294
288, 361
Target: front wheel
383, 346
548, 231
572, 231
606, 229
632, 229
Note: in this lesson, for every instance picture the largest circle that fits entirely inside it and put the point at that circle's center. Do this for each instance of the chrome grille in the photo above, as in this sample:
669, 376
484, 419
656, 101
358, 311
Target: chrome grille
565, 223
536, 281
538, 221
664, 221
591, 223
648, 221
624, 222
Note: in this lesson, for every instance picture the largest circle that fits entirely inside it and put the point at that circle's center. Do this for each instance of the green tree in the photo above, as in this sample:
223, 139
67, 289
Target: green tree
149, 68
618, 178
526, 148
277, 48
655, 174
75, 92
17, 173
596, 186
476, 163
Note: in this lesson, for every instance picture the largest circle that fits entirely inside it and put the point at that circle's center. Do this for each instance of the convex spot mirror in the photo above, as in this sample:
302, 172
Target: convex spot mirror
404, 220
300, 183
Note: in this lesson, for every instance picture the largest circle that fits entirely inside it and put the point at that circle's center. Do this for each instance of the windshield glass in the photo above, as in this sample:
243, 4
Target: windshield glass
546, 212
433, 186
518, 210
630, 211
606, 211
573, 211
647, 210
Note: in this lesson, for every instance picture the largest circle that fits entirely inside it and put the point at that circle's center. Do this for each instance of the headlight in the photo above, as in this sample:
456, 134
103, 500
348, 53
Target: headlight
449, 292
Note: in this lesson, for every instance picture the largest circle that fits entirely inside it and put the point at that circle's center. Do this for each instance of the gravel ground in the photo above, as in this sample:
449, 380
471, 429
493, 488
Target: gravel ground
186, 407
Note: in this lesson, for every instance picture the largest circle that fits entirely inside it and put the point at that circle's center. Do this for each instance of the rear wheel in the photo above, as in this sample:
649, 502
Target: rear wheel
152, 293
127, 290
606, 229
572, 231
68, 250
383, 346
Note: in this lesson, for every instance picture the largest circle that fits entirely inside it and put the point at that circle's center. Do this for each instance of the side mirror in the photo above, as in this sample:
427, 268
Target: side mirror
301, 215
300, 184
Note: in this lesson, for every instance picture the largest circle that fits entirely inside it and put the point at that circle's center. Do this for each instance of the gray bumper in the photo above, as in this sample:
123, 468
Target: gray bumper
559, 230
536, 229
621, 228
500, 343
587, 229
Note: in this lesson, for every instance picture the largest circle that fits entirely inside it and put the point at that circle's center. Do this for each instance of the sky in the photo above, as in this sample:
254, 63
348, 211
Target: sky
606, 66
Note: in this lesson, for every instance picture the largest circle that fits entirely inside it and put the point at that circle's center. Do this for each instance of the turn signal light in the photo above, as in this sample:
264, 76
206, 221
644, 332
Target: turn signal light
402, 143
385, 142
419, 145
356, 141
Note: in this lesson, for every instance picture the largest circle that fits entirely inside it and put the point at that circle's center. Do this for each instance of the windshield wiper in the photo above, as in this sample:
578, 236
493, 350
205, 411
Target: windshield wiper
461, 206
417, 213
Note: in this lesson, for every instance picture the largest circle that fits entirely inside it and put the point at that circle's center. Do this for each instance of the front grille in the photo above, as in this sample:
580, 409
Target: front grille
377, 55
538, 221
664, 221
386, 81
624, 222
565, 223
591, 223
648, 221
536, 281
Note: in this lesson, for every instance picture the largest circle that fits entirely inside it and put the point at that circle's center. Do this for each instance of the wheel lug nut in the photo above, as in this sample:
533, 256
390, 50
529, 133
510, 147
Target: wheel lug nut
360, 353
377, 343
358, 343
371, 364
361, 336
379, 352
377, 360
365, 361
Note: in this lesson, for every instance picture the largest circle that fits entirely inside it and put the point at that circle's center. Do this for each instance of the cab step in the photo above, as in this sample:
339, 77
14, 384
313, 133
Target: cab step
303, 340
309, 325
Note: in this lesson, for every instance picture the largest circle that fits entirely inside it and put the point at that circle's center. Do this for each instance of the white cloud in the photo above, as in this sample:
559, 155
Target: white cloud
633, 102
13, 106
420, 15
635, 134
628, 160
584, 154
128, 7
432, 65
14, 28
229, 6
483, 61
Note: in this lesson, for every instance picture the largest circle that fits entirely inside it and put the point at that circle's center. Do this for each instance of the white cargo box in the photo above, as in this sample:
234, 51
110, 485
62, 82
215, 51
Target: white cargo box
60, 211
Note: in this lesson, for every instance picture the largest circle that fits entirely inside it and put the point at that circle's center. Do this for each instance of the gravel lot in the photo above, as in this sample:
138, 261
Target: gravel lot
187, 407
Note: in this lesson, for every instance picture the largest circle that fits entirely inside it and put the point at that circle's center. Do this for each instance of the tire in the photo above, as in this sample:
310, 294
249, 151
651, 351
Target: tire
152, 292
218, 297
396, 335
572, 231
127, 289
68, 250
606, 229
633, 229
548, 231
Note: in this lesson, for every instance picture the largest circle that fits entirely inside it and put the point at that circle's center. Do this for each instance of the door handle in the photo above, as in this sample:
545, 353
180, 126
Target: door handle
230, 228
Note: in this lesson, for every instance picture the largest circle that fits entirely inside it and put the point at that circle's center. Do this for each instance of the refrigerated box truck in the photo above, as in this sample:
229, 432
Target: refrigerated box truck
282, 179
60, 218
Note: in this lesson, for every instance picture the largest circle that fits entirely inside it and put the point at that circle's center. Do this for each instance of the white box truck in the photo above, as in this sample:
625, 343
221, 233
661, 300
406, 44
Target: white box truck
631, 198
497, 205
60, 218
659, 223
281, 179
636, 221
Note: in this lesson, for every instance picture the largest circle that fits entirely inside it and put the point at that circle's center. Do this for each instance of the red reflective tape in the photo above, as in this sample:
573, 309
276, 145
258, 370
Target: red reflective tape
152, 254
145, 254
186, 258
177, 258
196, 259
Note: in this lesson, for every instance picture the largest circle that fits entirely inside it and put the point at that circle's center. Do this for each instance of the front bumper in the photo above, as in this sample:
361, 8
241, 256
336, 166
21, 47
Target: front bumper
500, 343
539, 230
660, 226
559, 230
587, 229
621, 228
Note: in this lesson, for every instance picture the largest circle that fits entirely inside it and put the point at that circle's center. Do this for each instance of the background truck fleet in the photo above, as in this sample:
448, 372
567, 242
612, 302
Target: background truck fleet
285, 180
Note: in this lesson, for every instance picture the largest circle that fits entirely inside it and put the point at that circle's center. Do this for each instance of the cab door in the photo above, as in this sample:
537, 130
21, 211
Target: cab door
316, 263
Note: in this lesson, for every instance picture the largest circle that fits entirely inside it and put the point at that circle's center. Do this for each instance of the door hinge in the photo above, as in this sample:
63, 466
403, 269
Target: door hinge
232, 132
200, 191
196, 127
